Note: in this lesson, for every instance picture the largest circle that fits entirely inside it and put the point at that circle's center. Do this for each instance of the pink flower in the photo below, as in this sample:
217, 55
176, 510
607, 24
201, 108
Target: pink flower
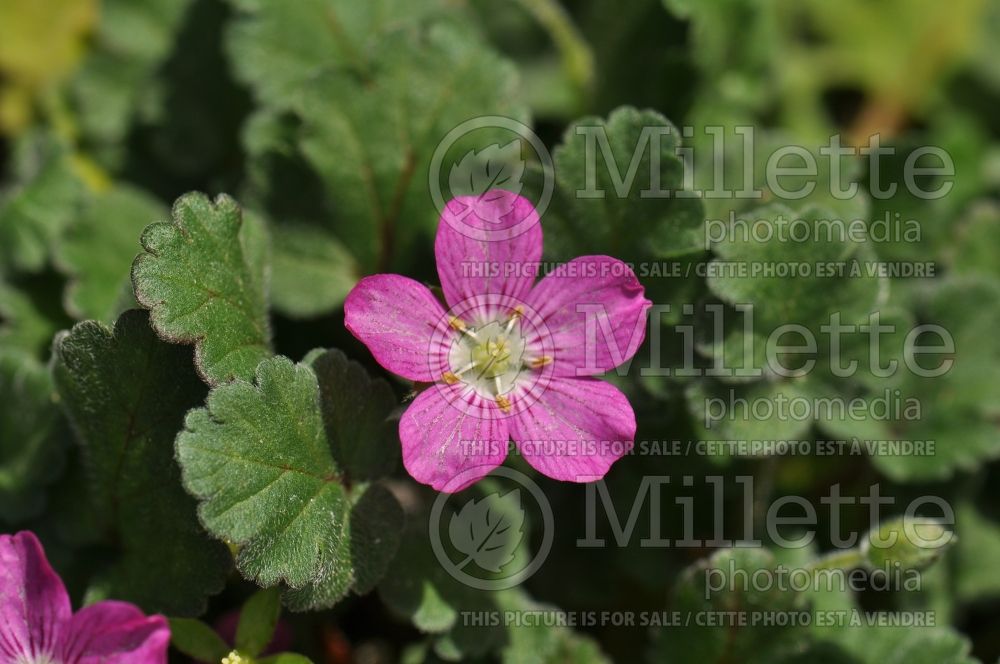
511, 358
37, 625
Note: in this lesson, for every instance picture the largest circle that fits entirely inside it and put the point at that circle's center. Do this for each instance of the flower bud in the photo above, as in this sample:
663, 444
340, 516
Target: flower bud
909, 542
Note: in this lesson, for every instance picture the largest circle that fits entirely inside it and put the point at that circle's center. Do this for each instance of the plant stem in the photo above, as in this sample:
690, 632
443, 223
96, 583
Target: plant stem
577, 58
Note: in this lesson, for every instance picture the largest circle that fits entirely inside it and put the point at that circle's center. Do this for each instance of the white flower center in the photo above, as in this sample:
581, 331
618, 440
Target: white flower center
489, 358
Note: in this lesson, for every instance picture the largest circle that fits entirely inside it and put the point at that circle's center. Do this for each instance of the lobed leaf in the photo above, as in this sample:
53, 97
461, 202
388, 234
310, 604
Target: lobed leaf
126, 393
602, 169
260, 460
203, 278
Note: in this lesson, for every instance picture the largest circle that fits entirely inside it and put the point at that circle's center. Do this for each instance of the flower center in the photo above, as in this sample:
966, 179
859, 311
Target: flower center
487, 358
490, 358
235, 657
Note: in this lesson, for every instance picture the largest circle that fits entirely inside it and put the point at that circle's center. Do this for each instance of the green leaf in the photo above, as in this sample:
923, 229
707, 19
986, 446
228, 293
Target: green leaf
977, 553
376, 524
735, 414
203, 280
258, 618
97, 251
356, 409
197, 640
34, 212
31, 313
598, 209
259, 459
126, 393
769, 257
420, 589
958, 409
543, 643
424, 590
279, 48
977, 245
926, 645
133, 38
312, 272
286, 658
720, 583
32, 432
370, 137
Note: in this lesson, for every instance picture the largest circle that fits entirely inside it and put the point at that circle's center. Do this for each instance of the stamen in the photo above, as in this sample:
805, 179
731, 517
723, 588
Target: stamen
503, 403
449, 378
467, 367
496, 381
515, 316
458, 324
539, 362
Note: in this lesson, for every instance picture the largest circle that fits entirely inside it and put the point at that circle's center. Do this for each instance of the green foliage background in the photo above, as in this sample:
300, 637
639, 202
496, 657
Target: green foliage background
184, 426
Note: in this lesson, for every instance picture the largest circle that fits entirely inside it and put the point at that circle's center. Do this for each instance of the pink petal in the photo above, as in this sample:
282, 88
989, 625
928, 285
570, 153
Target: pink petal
397, 318
576, 429
595, 311
452, 438
489, 244
113, 632
34, 606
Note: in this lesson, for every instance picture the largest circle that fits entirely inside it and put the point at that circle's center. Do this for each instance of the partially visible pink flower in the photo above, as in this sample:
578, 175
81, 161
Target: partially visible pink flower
510, 359
37, 625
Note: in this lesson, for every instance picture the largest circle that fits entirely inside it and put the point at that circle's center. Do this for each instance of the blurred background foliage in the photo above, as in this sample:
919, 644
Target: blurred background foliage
320, 117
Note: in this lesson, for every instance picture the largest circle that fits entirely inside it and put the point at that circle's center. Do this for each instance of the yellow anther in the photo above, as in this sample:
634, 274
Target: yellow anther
503, 403
449, 378
234, 658
457, 324
539, 362
515, 316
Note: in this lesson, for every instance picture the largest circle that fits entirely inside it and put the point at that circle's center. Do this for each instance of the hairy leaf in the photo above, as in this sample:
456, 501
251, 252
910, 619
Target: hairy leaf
203, 279
35, 212
31, 436
260, 460
602, 169
356, 409
313, 272
126, 393
370, 138
97, 251
279, 48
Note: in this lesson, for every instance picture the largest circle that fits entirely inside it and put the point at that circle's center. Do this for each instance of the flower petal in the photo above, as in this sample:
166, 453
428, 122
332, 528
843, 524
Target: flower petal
396, 318
34, 606
113, 632
451, 439
488, 244
576, 429
595, 310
